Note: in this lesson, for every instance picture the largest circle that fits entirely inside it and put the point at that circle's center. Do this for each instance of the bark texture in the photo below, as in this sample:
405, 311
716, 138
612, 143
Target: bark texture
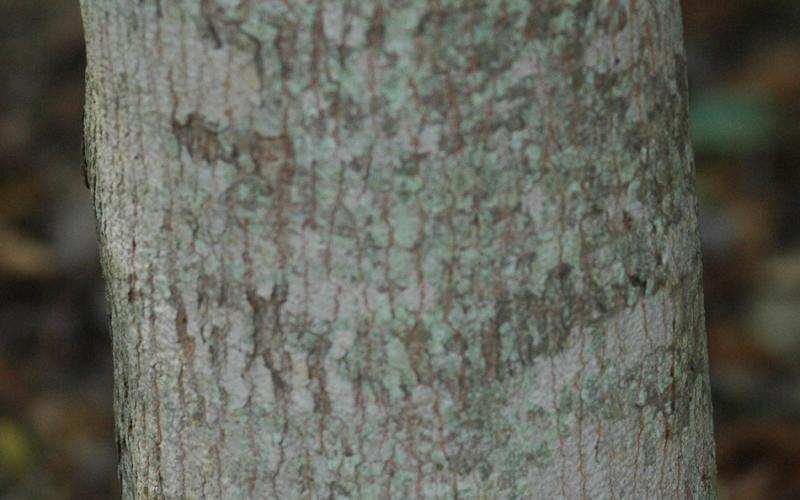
399, 248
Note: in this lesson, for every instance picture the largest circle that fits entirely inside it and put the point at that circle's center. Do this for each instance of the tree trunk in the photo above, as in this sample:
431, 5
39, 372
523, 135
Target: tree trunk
399, 249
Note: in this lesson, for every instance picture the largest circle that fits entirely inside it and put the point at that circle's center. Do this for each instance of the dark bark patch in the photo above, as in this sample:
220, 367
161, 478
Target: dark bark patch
268, 335
416, 341
316, 361
208, 11
201, 139
433, 18
273, 154
181, 326
285, 43
638, 282
538, 20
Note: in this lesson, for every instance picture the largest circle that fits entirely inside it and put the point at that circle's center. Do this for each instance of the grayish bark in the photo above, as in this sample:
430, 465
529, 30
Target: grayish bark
399, 248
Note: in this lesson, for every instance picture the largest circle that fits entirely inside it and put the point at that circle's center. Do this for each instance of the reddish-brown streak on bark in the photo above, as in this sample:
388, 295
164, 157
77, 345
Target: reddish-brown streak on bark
319, 45
377, 28
154, 380
184, 339
311, 221
454, 113
387, 269
561, 447
332, 220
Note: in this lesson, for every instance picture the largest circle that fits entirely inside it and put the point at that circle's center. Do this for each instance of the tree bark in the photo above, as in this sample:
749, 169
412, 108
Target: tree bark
399, 248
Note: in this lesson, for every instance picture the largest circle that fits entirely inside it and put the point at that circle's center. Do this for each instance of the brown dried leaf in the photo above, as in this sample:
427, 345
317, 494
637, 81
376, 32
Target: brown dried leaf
24, 257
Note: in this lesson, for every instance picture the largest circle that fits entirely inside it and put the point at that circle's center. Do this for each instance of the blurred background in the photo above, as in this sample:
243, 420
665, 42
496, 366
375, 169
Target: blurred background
56, 423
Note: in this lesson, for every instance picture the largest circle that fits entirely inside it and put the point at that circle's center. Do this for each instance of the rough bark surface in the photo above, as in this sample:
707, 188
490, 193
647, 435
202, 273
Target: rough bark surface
399, 248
